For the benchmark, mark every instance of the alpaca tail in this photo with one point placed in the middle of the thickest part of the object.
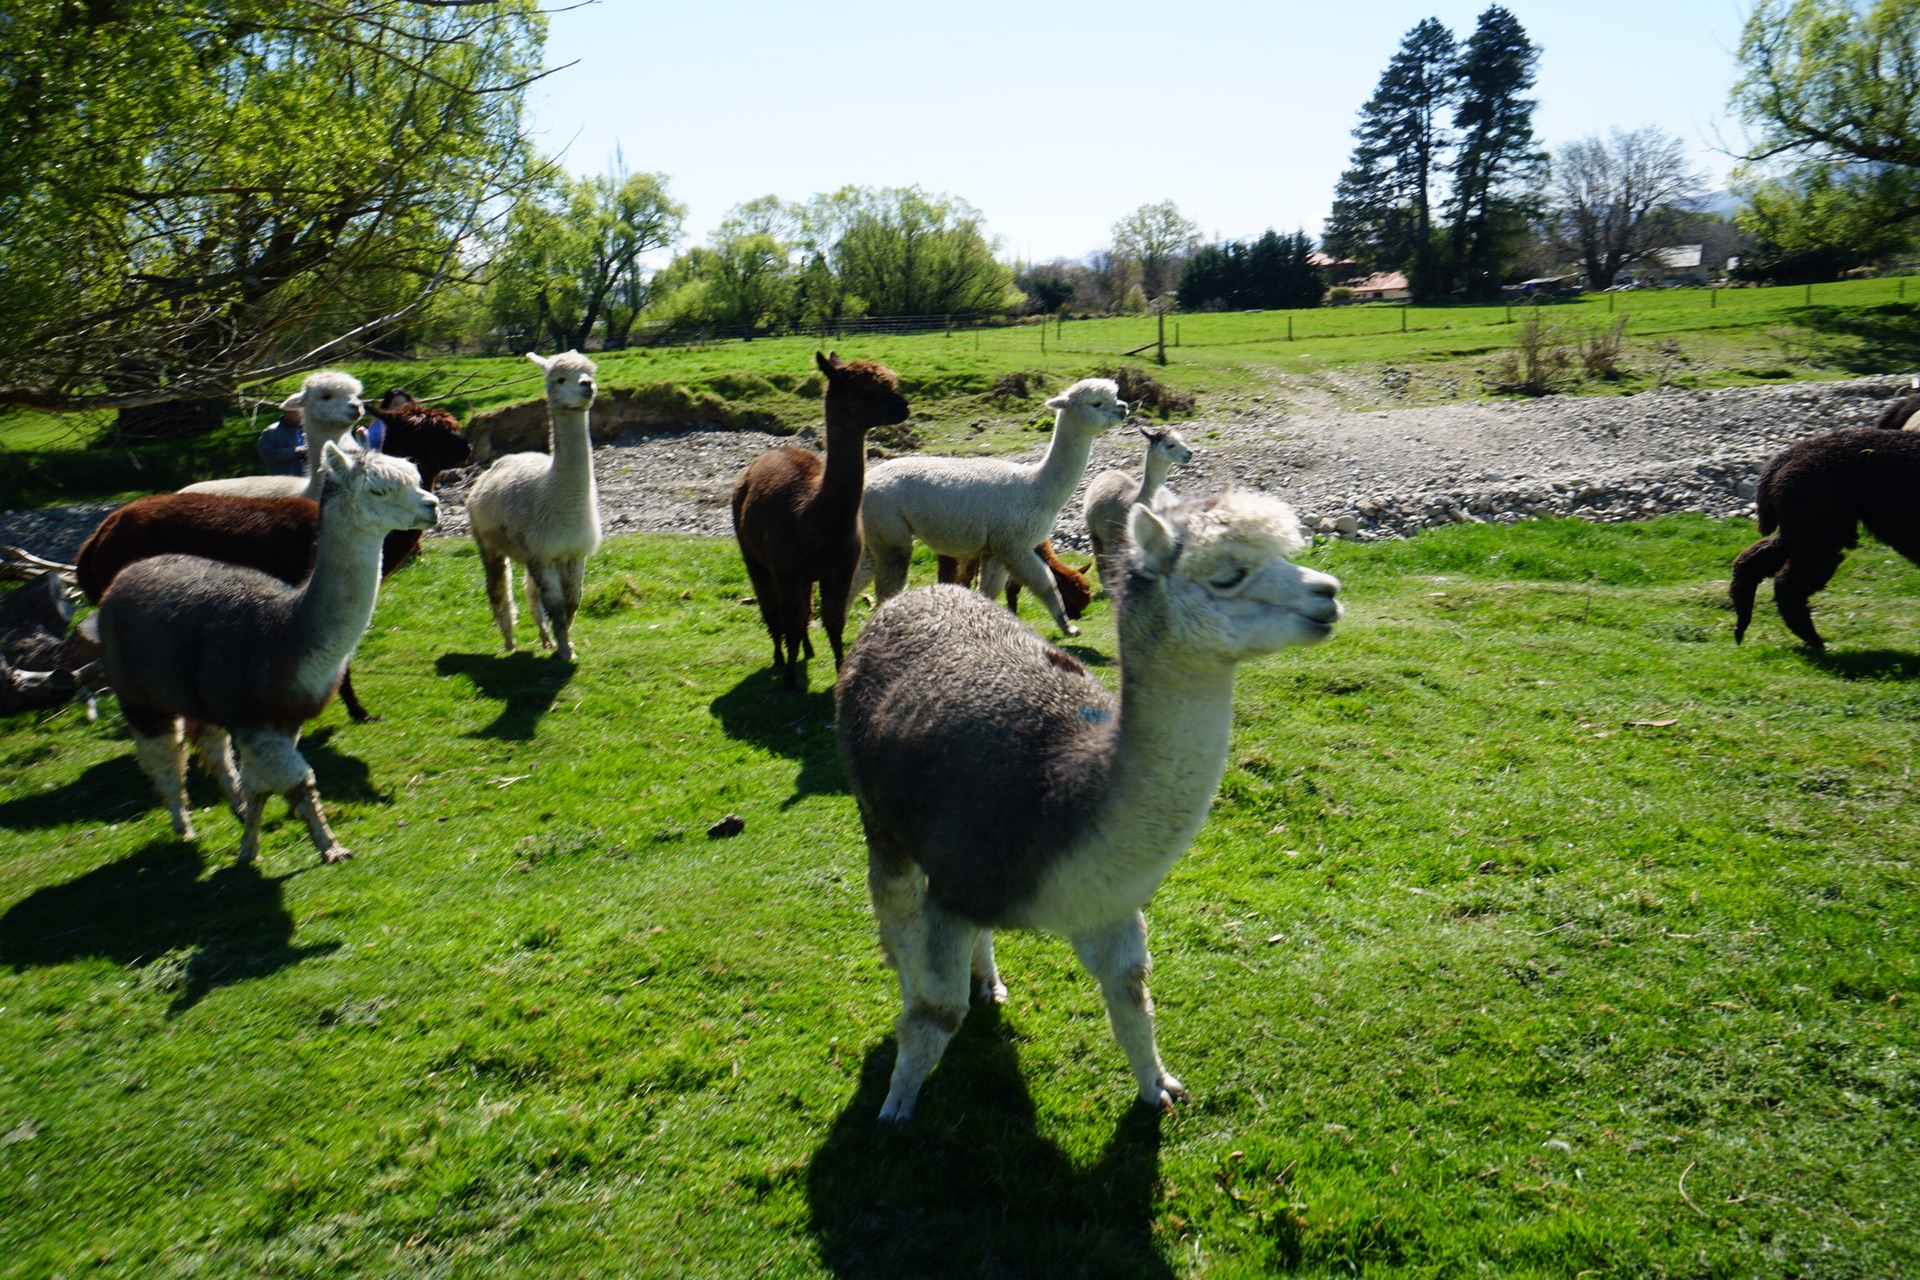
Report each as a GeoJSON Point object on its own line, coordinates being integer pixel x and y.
{"type": "Point", "coordinates": [1761, 560]}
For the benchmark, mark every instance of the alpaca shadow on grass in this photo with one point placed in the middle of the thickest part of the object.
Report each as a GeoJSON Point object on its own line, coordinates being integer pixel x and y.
{"type": "Point", "coordinates": [1869, 664]}
{"type": "Point", "coordinates": [339, 776]}
{"type": "Point", "coordinates": [526, 683]}
{"type": "Point", "coordinates": [110, 791]}
{"type": "Point", "coordinates": [153, 910]}
{"type": "Point", "coordinates": [788, 723]}
{"type": "Point", "coordinates": [969, 1187]}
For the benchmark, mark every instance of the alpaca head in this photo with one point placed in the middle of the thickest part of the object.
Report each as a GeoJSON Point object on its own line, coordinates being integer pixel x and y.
{"type": "Point", "coordinates": [328, 403]}
{"type": "Point", "coordinates": [1214, 579]}
{"type": "Point", "coordinates": [429, 436]}
{"type": "Point", "coordinates": [1165, 446]}
{"type": "Point", "coordinates": [861, 393]}
{"type": "Point", "coordinates": [374, 491]}
{"type": "Point", "coordinates": [1089, 406]}
{"type": "Point", "coordinates": [569, 379]}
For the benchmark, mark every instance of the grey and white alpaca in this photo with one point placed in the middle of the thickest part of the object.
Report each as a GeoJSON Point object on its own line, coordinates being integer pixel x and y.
{"type": "Point", "coordinates": [1001, 786]}
{"type": "Point", "coordinates": [544, 511]}
{"type": "Point", "coordinates": [1112, 494]}
{"type": "Point", "coordinates": [987, 509]}
{"type": "Point", "coordinates": [329, 403]}
{"type": "Point", "coordinates": [203, 650]}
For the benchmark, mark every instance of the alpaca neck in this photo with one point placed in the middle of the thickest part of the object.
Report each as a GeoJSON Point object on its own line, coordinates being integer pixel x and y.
{"type": "Point", "coordinates": [845, 471]}
{"type": "Point", "coordinates": [1066, 461]}
{"type": "Point", "coordinates": [1175, 726]}
{"type": "Point", "coordinates": [572, 447]}
{"type": "Point", "coordinates": [1158, 464]}
{"type": "Point", "coordinates": [337, 602]}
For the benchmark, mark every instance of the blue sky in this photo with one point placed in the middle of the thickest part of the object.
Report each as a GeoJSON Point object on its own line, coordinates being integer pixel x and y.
{"type": "Point", "coordinates": [1057, 118]}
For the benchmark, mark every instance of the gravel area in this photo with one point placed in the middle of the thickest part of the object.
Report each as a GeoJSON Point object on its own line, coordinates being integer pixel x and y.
{"type": "Point", "coordinates": [1361, 475]}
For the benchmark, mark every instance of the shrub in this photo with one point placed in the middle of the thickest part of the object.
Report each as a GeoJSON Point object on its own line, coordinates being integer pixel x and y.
{"type": "Point", "coordinates": [1142, 391]}
{"type": "Point", "coordinates": [1537, 363]}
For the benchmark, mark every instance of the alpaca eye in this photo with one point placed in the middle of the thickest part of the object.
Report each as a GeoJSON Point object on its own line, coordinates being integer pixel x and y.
{"type": "Point", "coordinates": [1230, 579]}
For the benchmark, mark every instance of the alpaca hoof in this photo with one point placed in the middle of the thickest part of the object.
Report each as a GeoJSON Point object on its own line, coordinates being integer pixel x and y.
{"type": "Point", "coordinates": [183, 829]}
{"type": "Point", "coordinates": [362, 717]}
{"type": "Point", "coordinates": [1070, 630]}
{"type": "Point", "coordinates": [1164, 1093]}
{"type": "Point", "coordinates": [335, 853]}
{"type": "Point", "coordinates": [990, 990]}
{"type": "Point", "coordinates": [896, 1112]}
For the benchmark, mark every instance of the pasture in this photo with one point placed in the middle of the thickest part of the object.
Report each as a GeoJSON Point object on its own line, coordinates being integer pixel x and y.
{"type": "Point", "coordinates": [1537, 930]}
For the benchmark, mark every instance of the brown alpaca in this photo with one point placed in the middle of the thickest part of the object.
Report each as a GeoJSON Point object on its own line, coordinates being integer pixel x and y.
{"type": "Point", "coordinates": [797, 516]}
{"type": "Point", "coordinates": [1075, 593]}
{"type": "Point", "coordinates": [1811, 501]}
{"type": "Point", "coordinates": [274, 535]}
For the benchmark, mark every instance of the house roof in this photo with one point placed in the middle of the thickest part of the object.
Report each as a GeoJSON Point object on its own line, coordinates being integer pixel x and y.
{"type": "Point", "coordinates": [1680, 256]}
{"type": "Point", "coordinates": [1380, 282]}
{"type": "Point", "coordinates": [1322, 261]}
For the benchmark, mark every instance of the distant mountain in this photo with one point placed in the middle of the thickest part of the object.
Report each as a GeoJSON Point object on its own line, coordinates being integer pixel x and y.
{"type": "Point", "coordinates": [1721, 204]}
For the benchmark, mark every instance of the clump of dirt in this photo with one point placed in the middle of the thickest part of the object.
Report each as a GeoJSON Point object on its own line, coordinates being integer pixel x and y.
{"type": "Point", "coordinates": [1143, 391]}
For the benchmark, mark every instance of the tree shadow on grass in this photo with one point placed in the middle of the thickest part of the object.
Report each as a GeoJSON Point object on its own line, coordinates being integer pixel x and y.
{"type": "Point", "coordinates": [527, 684]}
{"type": "Point", "coordinates": [1869, 664]}
{"type": "Point", "coordinates": [969, 1187]}
{"type": "Point", "coordinates": [788, 723]}
{"type": "Point", "coordinates": [1886, 338]}
{"type": "Point", "coordinates": [152, 910]}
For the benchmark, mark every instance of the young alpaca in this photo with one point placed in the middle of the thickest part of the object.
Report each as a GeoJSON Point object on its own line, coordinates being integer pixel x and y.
{"type": "Point", "coordinates": [209, 651]}
{"type": "Point", "coordinates": [1112, 494]}
{"type": "Point", "coordinates": [985, 508]}
{"type": "Point", "coordinates": [1075, 594]}
{"type": "Point", "coordinates": [543, 510]}
{"type": "Point", "coordinates": [797, 516]}
{"type": "Point", "coordinates": [329, 404]}
{"type": "Point", "coordinates": [1811, 500]}
{"type": "Point", "coordinates": [1001, 786]}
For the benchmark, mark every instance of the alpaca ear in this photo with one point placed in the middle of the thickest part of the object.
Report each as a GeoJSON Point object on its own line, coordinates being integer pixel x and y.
{"type": "Point", "coordinates": [828, 362]}
{"type": "Point", "coordinates": [1059, 402]}
{"type": "Point", "coordinates": [294, 401]}
{"type": "Point", "coordinates": [1154, 540]}
{"type": "Point", "coordinates": [542, 361]}
{"type": "Point", "coordinates": [334, 461]}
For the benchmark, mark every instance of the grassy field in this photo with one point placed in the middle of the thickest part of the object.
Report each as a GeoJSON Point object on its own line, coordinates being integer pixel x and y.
{"type": "Point", "coordinates": [1538, 931]}
{"type": "Point", "coordinates": [1358, 357]}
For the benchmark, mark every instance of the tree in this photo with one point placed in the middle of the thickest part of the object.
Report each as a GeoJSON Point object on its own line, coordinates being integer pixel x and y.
{"type": "Point", "coordinates": [205, 194]}
{"type": "Point", "coordinates": [1498, 163]}
{"type": "Point", "coordinates": [1156, 239]}
{"type": "Point", "coordinates": [908, 253]}
{"type": "Point", "coordinates": [1274, 272]}
{"type": "Point", "coordinates": [1383, 206]}
{"type": "Point", "coordinates": [1615, 200]}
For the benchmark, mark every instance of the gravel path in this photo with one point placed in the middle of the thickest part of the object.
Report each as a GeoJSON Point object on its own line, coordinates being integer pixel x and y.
{"type": "Point", "coordinates": [1362, 475]}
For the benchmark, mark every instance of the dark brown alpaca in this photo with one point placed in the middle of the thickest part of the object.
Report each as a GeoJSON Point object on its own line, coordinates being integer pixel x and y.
{"type": "Point", "coordinates": [797, 516]}
{"type": "Point", "coordinates": [1075, 593]}
{"type": "Point", "coordinates": [1811, 500]}
{"type": "Point", "coordinates": [274, 535]}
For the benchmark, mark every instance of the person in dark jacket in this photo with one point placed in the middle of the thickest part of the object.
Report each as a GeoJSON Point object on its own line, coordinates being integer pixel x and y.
{"type": "Point", "coordinates": [283, 446]}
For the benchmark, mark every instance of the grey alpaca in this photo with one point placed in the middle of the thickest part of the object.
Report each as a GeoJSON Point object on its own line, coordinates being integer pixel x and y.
{"type": "Point", "coordinates": [1001, 786]}
{"type": "Point", "coordinates": [203, 651]}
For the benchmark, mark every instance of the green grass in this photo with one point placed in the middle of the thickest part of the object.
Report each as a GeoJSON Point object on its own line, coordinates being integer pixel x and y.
{"type": "Point", "coordinates": [1685, 338]}
{"type": "Point", "coordinates": [1468, 972]}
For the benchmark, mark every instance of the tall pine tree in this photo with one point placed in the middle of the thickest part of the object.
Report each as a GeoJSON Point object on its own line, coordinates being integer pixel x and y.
{"type": "Point", "coordinates": [1383, 207]}
{"type": "Point", "coordinates": [1498, 165]}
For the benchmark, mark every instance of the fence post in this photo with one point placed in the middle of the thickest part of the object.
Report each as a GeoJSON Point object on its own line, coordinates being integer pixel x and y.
{"type": "Point", "coordinates": [1809, 301]}
{"type": "Point", "coordinates": [1043, 337]}
{"type": "Point", "coordinates": [1176, 333]}
{"type": "Point", "coordinates": [1163, 338]}
{"type": "Point", "coordinates": [1403, 319]}
{"type": "Point", "coordinates": [1609, 304]}
{"type": "Point", "coordinates": [1713, 299]}
{"type": "Point", "coordinates": [1289, 328]}
{"type": "Point", "coordinates": [949, 326]}
{"type": "Point", "coordinates": [1509, 313]}
{"type": "Point", "coordinates": [1903, 287]}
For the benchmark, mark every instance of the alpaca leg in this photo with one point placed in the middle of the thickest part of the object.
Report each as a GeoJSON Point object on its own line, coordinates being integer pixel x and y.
{"type": "Point", "coordinates": [537, 602]}
{"type": "Point", "coordinates": [933, 997]}
{"type": "Point", "coordinates": [835, 595]}
{"type": "Point", "coordinates": [351, 701]}
{"type": "Point", "coordinates": [216, 757]}
{"type": "Point", "coordinates": [499, 572]}
{"type": "Point", "coordinates": [993, 577]}
{"type": "Point", "coordinates": [796, 613]}
{"type": "Point", "coordinates": [897, 890]}
{"type": "Point", "coordinates": [862, 574]}
{"type": "Point", "coordinates": [1032, 573]}
{"type": "Point", "coordinates": [986, 974]}
{"type": "Point", "coordinates": [1805, 573]}
{"type": "Point", "coordinates": [573, 577]}
{"type": "Point", "coordinates": [1117, 956]}
{"type": "Point", "coordinates": [890, 565]}
{"type": "Point", "coordinates": [767, 596]}
{"type": "Point", "coordinates": [271, 764]}
{"type": "Point", "coordinates": [1761, 560]}
{"type": "Point", "coordinates": [163, 758]}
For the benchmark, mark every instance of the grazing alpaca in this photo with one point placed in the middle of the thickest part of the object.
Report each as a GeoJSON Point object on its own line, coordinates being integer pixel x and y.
{"type": "Point", "coordinates": [1811, 500]}
{"type": "Point", "coordinates": [1001, 786]}
{"type": "Point", "coordinates": [329, 404]}
{"type": "Point", "coordinates": [274, 535]}
{"type": "Point", "coordinates": [1075, 594]}
{"type": "Point", "coordinates": [797, 516]}
{"type": "Point", "coordinates": [984, 508]}
{"type": "Point", "coordinates": [543, 510]}
{"type": "Point", "coordinates": [216, 652]}
{"type": "Point", "coordinates": [1112, 494]}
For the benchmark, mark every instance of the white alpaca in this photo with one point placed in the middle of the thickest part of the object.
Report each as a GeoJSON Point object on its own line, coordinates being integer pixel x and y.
{"type": "Point", "coordinates": [985, 508]}
{"type": "Point", "coordinates": [1001, 786]}
{"type": "Point", "coordinates": [1112, 494]}
{"type": "Point", "coordinates": [329, 404]}
{"type": "Point", "coordinates": [544, 511]}
{"type": "Point", "coordinates": [219, 650]}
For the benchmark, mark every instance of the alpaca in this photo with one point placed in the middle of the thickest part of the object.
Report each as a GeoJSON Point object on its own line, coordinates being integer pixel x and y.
{"type": "Point", "coordinates": [1001, 786]}
{"type": "Point", "coordinates": [1111, 495]}
{"type": "Point", "coordinates": [329, 404]}
{"type": "Point", "coordinates": [986, 508]}
{"type": "Point", "coordinates": [1075, 594]}
{"type": "Point", "coordinates": [217, 653]}
{"type": "Point", "coordinates": [543, 510]}
{"type": "Point", "coordinates": [1898, 416]}
{"type": "Point", "coordinates": [797, 516]}
{"type": "Point", "coordinates": [274, 535]}
{"type": "Point", "coordinates": [1811, 500]}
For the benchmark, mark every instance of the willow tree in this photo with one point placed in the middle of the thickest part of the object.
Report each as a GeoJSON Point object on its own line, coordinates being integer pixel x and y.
{"type": "Point", "coordinates": [202, 194]}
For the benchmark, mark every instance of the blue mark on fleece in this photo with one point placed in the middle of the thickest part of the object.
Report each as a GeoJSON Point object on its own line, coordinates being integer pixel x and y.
{"type": "Point", "coordinates": [1095, 715]}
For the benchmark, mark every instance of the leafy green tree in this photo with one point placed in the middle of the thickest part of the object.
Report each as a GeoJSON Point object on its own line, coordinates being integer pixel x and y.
{"type": "Point", "coordinates": [1383, 207]}
{"type": "Point", "coordinates": [1498, 164]}
{"type": "Point", "coordinates": [1155, 238]}
{"type": "Point", "coordinates": [907, 253]}
{"type": "Point", "coordinates": [201, 194]}
{"type": "Point", "coordinates": [1275, 272]}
